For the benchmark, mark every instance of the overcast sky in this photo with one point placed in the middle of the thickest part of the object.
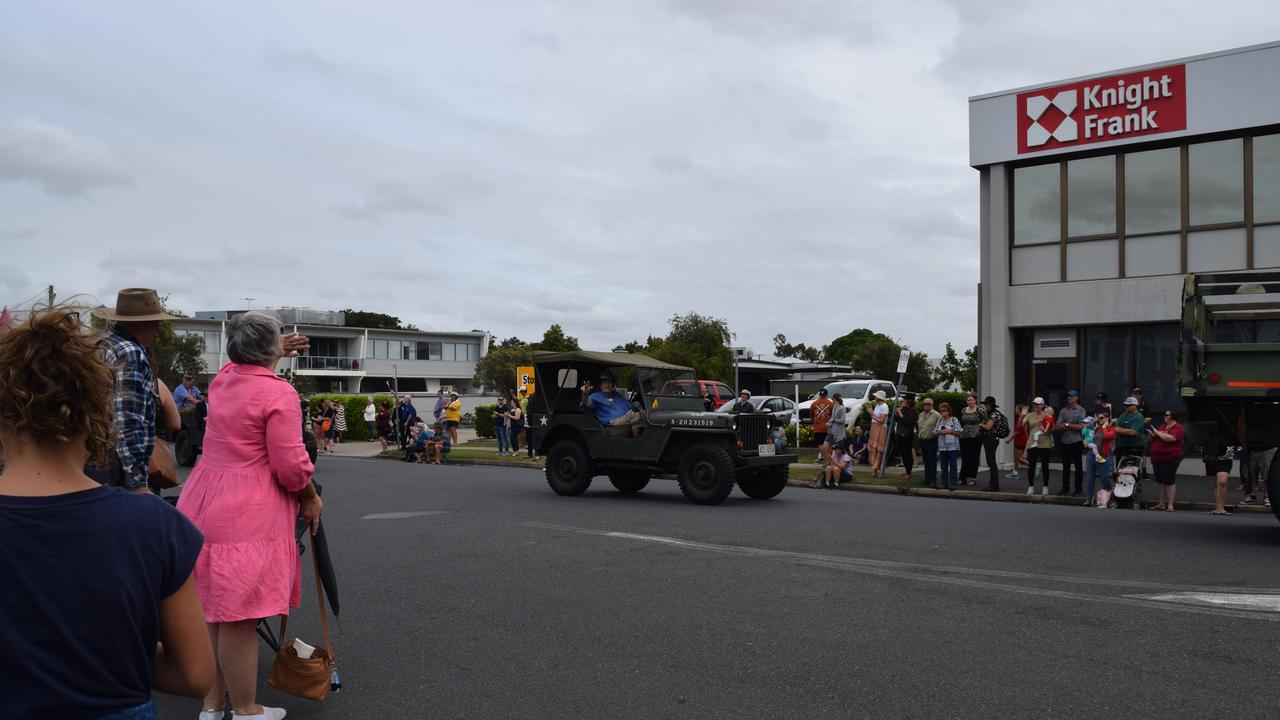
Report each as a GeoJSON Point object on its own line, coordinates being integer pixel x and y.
{"type": "Point", "coordinates": [792, 166]}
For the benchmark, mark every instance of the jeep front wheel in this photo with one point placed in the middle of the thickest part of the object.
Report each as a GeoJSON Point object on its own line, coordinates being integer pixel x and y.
{"type": "Point", "coordinates": [568, 469]}
{"type": "Point", "coordinates": [706, 474]}
{"type": "Point", "coordinates": [629, 481]}
{"type": "Point", "coordinates": [764, 483]}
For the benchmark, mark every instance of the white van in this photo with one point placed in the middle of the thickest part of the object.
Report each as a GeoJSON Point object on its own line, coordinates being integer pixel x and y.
{"type": "Point", "coordinates": [854, 393]}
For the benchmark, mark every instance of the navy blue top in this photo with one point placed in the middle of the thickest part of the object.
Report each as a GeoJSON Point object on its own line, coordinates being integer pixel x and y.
{"type": "Point", "coordinates": [83, 575]}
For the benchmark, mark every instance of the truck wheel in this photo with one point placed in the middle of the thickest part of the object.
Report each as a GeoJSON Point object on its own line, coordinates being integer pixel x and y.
{"type": "Point", "coordinates": [629, 481]}
{"type": "Point", "coordinates": [183, 451]}
{"type": "Point", "coordinates": [1273, 484]}
{"type": "Point", "coordinates": [764, 483]}
{"type": "Point", "coordinates": [706, 474]}
{"type": "Point", "coordinates": [568, 468]}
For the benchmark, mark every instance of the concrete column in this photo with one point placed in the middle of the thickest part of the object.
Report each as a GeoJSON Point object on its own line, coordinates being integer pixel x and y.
{"type": "Point", "coordinates": [995, 341]}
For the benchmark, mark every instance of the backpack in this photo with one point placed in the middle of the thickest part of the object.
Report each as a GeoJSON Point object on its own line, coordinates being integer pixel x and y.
{"type": "Point", "coordinates": [1002, 425]}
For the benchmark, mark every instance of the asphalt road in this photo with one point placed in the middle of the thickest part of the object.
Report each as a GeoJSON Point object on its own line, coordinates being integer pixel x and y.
{"type": "Point", "coordinates": [472, 592]}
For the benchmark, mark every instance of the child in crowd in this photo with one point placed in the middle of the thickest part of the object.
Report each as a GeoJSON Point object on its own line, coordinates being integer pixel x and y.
{"type": "Point", "coordinates": [858, 445]}
{"type": "Point", "coordinates": [779, 436]}
{"type": "Point", "coordinates": [1019, 440]}
{"type": "Point", "coordinates": [1090, 435]}
{"type": "Point", "coordinates": [1046, 425]}
{"type": "Point", "coordinates": [838, 467]}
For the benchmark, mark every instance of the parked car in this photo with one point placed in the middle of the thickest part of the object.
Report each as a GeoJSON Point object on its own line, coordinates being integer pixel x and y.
{"type": "Point", "coordinates": [779, 407]}
{"type": "Point", "coordinates": [854, 393]}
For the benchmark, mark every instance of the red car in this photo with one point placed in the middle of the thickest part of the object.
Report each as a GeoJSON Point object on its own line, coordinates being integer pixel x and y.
{"type": "Point", "coordinates": [718, 391]}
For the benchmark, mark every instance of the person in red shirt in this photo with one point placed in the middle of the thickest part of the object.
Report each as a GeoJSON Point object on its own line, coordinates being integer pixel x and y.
{"type": "Point", "coordinates": [1019, 440]}
{"type": "Point", "coordinates": [1166, 455]}
{"type": "Point", "coordinates": [820, 411]}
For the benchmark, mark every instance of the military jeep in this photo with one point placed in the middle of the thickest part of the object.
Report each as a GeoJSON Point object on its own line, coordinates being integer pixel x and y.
{"type": "Point", "coordinates": [707, 452]}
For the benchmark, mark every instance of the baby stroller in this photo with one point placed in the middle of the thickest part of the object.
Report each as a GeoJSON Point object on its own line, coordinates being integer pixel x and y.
{"type": "Point", "coordinates": [1126, 481]}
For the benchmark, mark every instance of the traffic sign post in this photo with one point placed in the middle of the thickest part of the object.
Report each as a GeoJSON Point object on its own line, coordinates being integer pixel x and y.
{"type": "Point", "coordinates": [903, 358]}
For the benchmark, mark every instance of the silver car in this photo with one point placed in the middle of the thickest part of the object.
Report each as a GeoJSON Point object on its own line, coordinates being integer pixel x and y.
{"type": "Point", "coordinates": [781, 408]}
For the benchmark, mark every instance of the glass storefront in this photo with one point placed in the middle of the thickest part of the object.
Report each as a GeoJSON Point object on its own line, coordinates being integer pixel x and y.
{"type": "Point", "coordinates": [1125, 214]}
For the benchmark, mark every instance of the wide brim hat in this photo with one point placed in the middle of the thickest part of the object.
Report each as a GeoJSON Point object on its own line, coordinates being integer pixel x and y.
{"type": "Point", "coordinates": [879, 395]}
{"type": "Point", "coordinates": [135, 305]}
{"type": "Point", "coordinates": [988, 400]}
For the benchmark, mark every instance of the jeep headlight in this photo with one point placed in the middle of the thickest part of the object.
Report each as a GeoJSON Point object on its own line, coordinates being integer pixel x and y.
{"type": "Point", "coordinates": [733, 424]}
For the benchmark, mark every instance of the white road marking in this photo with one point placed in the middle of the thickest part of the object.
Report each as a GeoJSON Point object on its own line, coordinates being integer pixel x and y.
{"type": "Point", "coordinates": [1258, 602]}
{"type": "Point", "coordinates": [950, 575]}
{"type": "Point", "coordinates": [401, 515]}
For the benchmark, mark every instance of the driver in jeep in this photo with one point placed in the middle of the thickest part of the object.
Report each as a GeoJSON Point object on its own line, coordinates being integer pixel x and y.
{"type": "Point", "coordinates": [610, 406]}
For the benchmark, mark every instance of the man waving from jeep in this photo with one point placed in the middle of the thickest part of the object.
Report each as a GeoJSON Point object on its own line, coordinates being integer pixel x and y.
{"type": "Point", "coordinates": [610, 406]}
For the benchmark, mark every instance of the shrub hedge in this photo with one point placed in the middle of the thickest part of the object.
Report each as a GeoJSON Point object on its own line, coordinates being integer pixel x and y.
{"type": "Point", "coordinates": [354, 406]}
{"type": "Point", "coordinates": [484, 420]}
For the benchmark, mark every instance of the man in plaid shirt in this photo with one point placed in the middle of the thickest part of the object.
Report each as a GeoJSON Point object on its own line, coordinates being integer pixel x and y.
{"type": "Point", "coordinates": [136, 318]}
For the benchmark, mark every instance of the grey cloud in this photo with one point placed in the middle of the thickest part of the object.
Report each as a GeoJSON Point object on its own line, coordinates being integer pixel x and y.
{"type": "Point", "coordinates": [849, 22]}
{"type": "Point", "coordinates": [24, 233]}
{"type": "Point", "coordinates": [416, 193]}
{"type": "Point", "coordinates": [58, 160]}
{"type": "Point", "coordinates": [300, 60]}
{"type": "Point", "coordinates": [13, 280]}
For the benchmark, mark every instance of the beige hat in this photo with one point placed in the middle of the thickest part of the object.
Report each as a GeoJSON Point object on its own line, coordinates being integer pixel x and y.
{"type": "Point", "coordinates": [1038, 401]}
{"type": "Point", "coordinates": [135, 305]}
{"type": "Point", "coordinates": [879, 395]}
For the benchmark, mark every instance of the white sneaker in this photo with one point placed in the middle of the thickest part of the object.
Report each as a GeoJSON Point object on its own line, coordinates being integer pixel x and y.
{"type": "Point", "coordinates": [1031, 491]}
{"type": "Point", "coordinates": [212, 714]}
{"type": "Point", "coordinates": [1044, 490]}
{"type": "Point", "coordinates": [268, 713]}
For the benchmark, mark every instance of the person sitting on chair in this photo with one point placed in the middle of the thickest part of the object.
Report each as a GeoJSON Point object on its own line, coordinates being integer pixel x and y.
{"type": "Point", "coordinates": [609, 405]}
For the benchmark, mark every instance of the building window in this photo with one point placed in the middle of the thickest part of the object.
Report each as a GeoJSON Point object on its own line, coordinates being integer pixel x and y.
{"type": "Point", "coordinates": [1152, 192]}
{"type": "Point", "coordinates": [1266, 178]}
{"type": "Point", "coordinates": [1215, 177]}
{"type": "Point", "coordinates": [408, 351]}
{"type": "Point", "coordinates": [1091, 197]}
{"type": "Point", "coordinates": [1036, 264]}
{"type": "Point", "coordinates": [434, 351]}
{"type": "Point", "coordinates": [327, 347]}
{"type": "Point", "coordinates": [1106, 355]}
{"type": "Point", "coordinates": [1036, 205]}
{"type": "Point", "coordinates": [1156, 366]}
{"type": "Point", "coordinates": [1210, 250]}
{"type": "Point", "coordinates": [1093, 260]}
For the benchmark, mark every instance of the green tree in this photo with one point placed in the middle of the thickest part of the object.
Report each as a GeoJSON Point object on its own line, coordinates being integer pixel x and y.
{"type": "Point", "coordinates": [176, 355]}
{"type": "Point", "coordinates": [800, 351]}
{"type": "Point", "coordinates": [843, 349]}
{"type": "Point", "coordinates": [969, 370]}
{"type": "Point", "coordinates": [378, 321]}
{"type": "Point", "coordinates": [700, 342]}
{"type": "Point", "coordinates": [497, 370]}
{"type": "Point", "coordinates": [554, 340]}
{"type": "Point", "coordinates": [878, 356]}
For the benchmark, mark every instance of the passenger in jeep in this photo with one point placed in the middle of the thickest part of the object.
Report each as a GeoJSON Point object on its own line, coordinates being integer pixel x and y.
{"type": "Point", "coordinates": [610, 406]}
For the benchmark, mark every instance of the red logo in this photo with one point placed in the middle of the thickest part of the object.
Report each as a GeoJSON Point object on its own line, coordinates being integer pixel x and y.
{"type": "Point", "coordinates": [1110, 108]}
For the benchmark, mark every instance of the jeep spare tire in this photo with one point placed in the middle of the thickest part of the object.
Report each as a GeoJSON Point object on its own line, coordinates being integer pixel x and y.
{"type": "Point", "coordinates": [568, 468]}
{"type": "Point", "coordinates": [764, 483]}
{"type": "Point", "coordinates": [629, 481]}
{"type": "Point", "coordinates": [706, 474]}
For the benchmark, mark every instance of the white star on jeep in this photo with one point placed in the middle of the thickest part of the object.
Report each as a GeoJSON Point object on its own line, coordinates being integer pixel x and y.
{"type": "Point", "coordinates": [543, 421]}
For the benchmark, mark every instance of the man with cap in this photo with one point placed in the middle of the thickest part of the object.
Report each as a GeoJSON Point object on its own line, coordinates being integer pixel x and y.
{"type": "Point", "coordinates": [135, 321]}
{"type": "Point", "coordinates": [1131, 438]}
{"type": "Point", "coordinates": [1071, 444]}
{"type": "Point", "coordinates": [743, 405]}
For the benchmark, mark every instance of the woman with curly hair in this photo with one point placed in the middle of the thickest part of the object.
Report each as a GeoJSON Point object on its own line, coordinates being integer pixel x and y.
{"type": "Point", "coordinates": [99, 606]}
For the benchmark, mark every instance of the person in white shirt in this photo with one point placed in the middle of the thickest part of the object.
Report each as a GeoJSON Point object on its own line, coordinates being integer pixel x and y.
{"type": "Point", "coordinates": [370, 419]}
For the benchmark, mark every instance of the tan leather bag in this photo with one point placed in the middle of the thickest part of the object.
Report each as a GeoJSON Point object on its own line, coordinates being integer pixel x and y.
{"type": "Point", "coordinates": [163, 471]}
{"type": "Point", "coordinates": [304, 677]}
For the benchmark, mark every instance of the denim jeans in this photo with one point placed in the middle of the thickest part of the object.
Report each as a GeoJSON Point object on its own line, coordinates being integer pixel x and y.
{"type": "Point", "coordinates": [949, 478]}
{"type": "Point", "coordinates": [504, 442]}
{"type": "Point", "coordinates": [929, 457]}
{"type": "Point", "coordinates": [1100, 471]}
{"type": "Point", "coordinates": [145, 711]}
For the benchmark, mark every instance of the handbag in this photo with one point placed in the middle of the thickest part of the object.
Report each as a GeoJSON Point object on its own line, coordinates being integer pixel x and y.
{"type": "Point", "coordinates": [311, 677]}
{"type": "Point", "coordinates": [325, 425]}
{"type": "Point", "coordinates": [163, 470]}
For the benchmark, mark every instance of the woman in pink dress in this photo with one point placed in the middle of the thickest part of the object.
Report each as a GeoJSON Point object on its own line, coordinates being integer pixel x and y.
{"type": "Point", "coordinates": [252, 482]}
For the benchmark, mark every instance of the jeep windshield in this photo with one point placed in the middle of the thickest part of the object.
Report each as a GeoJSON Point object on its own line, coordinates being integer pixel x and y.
{"type": "Point", "coordinates": [668, 383]}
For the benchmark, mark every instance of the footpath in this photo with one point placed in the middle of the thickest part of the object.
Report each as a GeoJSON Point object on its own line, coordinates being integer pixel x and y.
{"type": "Point", "coordinates": [1194, 492]}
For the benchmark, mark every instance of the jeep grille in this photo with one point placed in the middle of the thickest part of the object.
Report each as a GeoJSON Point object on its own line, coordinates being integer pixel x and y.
{"type": "Point", "coordinates": [753, 431]}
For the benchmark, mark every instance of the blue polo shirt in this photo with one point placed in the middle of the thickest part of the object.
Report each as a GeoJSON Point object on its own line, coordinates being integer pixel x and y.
{"type": "Point", "coordinates": [181, 394]}
{"type": "Point", "coordinates": [607, 406]}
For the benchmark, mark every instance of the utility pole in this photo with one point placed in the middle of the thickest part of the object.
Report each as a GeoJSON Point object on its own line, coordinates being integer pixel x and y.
{"type": "Point", "coordinates": [249, 301]}
{"type": "Point", "coordinates": [51, 296]}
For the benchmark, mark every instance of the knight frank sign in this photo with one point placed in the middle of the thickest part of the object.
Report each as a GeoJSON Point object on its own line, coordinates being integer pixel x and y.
{"type": "Point", "coordinates": [1117, 107]}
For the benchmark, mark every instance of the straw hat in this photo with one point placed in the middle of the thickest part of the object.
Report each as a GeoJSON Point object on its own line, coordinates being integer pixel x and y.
{"type": "Point", "coordinates": [135, 305]}
{"type": "Point", "coordinates": [879, 395]}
